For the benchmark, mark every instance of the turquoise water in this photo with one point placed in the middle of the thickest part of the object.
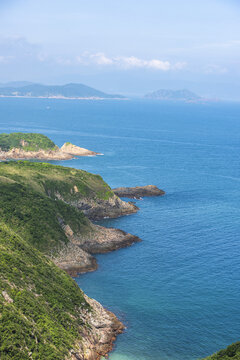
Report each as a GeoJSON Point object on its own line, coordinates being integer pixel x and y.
{"type": "Point", "coordinates": [178, 292]}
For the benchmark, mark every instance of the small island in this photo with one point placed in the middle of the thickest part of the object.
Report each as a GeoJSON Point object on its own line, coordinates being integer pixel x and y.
{"type": "Point", "coordinates": [18, 146]}
{"type": "Point", "coordinates": [183, 95]}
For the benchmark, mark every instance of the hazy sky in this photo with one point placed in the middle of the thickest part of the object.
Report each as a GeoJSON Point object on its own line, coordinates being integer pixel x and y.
{"type": "Point", "coordinates": [125, 46]}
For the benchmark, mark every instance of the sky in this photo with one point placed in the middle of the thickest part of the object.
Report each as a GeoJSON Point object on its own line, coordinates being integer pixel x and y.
{"type": "Point", "coordinates": [129, 47]}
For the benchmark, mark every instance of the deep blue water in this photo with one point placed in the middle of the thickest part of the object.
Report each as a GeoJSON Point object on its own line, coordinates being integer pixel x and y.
{"type": "Point", "coordinates": [178, 292]}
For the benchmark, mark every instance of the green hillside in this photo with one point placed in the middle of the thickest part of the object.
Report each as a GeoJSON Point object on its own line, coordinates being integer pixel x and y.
{"type": "Point", "coordinates": [40, 305]}
{"type": "Point", "coordinates": [28, 202]}
{"type": "Point", "coordinates": [50, 180]}
{"type": "Point", "coordinates": [26, 141]}
{"type": "Point", "coordinates": [232, 352]}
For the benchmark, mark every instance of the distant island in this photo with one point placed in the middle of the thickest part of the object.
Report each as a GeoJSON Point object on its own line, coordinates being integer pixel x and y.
{"type": "Point", "coordinates": [174, 95]}
{"type": "Point", "coordinates": [68, 91]}
{"type": "Point", "coordinates": [37, 146]}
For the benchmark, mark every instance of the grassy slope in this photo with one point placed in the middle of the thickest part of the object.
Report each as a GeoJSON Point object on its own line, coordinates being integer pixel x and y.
{"type": "Point", "coordinates": [231, 352]}
{"type": "Point", "coordinates": [41, 319]}
{"type": "Point", "coordinates": [28, 204]}
{"type": "Point", "coordinates": [33, 142]}
{"type": "Point", "coordinates": [49, 179]}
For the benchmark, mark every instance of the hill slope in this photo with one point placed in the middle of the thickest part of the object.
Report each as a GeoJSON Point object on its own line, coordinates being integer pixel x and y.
{"type": "Point", "coordinates": [43, 313]}
{"type": "Point", "coordinates": [46, 203]}
{"type": "Point", "coordinates": [65, 91]}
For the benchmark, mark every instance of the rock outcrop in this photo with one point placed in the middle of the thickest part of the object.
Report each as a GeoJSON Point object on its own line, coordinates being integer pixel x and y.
{"type": "Point", "coordinates": [71, 149]}
{"type": "Point", "coordinates": [66, 152]}
{"type": "Point", "coordinates": [138, 191]}
{"type": "Point", "coordinates": [20, 154]}
{"type": "Point", "coordinates": [98, 340]}
{"type": "Point", "coordinates": [98, 209]}
{"type": "Point", "coordinates": [75, 257]}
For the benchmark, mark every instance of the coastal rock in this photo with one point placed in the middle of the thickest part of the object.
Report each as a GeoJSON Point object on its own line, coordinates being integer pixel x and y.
{"type": "Point", "coordinates": [20, 154]}
{"type": "Point", "coordinates": [71, 149]}
{"type": "Point", "coordinates": [74, 260]}
{"type": "Point", "coordinates": [138, 191]}
{"type": "Point", "coordinates": [75, 256]}
{"type": "Point", "coordinates": [97, 209]}
{"type": "Point", "coordinates": [103, 240]}
{"type": "Point", "coordinates": [97, 341]}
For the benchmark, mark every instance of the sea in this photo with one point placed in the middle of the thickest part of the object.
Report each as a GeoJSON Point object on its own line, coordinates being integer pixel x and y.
{"type": "Point", "coordinates": [178, 291]}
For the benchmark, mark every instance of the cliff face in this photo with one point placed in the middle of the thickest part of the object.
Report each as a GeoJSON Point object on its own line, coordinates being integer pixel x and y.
{"type": "Point", "coordinates": [99, 341]}
{"type": "Point", "coordinates": [97, 209]}
{"type": "Point", "coordinates": [75, 256]}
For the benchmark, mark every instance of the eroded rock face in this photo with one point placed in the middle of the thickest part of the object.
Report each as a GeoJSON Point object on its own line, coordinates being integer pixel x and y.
{"type": "Point", "coordinates": [97, 341]}
{"type": "Point", "coordinates": [21, 154]}
{"type": "Point", "coordinates": [138, 191]}
{"type": "Point", "coordinates": [69, 148]}
{"type": "Point", "coordinates": [74, 260]}
{"type": "Point", "coordinates": [98, 209]}
{"type": "Point", "coordinates": [75, 257]}
{"type": "Point", "coordinates": [66, 152]}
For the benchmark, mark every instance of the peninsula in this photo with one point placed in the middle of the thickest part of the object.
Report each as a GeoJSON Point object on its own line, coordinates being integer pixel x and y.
{"type": "Point", "coordinates": [67, 91]}
{"type": "Point", "coordinates": [45, 228]}
{"type": "Point", "coordinates": [37, 146]}
{"type": "Point", "coordinates": [46, 234]}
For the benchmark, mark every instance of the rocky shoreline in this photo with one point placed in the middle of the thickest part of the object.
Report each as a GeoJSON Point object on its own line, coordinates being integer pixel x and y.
{"type": "Point", "coordinates": [138, 192]}
{"type": "Point", "coordinates": [75, 257]}
{"type": "Point", "coordinates": [66, 152]}
{"type": "Point", "coordinates": [99, 341]}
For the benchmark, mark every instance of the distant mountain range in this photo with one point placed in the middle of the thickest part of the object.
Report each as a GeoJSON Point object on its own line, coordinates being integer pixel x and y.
{"type": "Point", "coordinates": [71, 91]}
{"type": "Point", "coordinates": [174, 95]}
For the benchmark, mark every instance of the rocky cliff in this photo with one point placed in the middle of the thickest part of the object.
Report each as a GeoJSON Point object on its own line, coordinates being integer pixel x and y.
{"type": "Point", "coordinates": [138, 192]}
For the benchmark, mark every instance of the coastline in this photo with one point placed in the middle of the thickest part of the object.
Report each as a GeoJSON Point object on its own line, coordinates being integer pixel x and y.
{"type": "Point", "coordinates": [95, 98]}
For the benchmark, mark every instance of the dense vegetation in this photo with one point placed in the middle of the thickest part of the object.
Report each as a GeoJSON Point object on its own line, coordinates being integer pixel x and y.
{"type": "Point", "coordinates": [52, 179]}
{"type": "Point", "coordinates": [36, 217]}
{"type": "Point", "coordinates": [232, 352]}
{"type": "Point", "coordinates": [29, 204]}
{"type": "Point", "coordinates": [26, 141]}
{"type": "Point", "coordinates": [41, 307]}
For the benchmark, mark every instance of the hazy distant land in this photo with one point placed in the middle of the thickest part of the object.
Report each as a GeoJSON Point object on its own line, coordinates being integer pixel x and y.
{"type": "Point", "coordinates": [68, 91]}
{"type": "Point", "coordinates": [174, 95]}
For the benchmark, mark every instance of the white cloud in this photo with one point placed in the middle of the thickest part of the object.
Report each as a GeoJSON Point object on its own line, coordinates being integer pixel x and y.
{"type": "Point", "coordinates": [127, 62]}
{"type": "Point", "coordinates": [101, 59]}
